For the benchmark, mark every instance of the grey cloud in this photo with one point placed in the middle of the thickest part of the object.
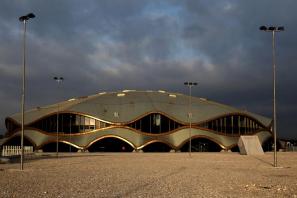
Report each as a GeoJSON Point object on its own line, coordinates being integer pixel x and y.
{"type": "Point", "coordinates": [113, 45]}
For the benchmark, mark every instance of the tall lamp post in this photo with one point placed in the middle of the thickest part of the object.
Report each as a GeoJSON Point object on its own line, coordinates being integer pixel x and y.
{"type": "Point", "coordinates": [273, 29]}
{"type": "Point", "coordinates": [59, 80]}
{"type": "Point", "coordinates": [24, 20]}
{"type": "Point", "coordinates": [190, 85]}
{"type": "Point", "coordinates": [70, 132]}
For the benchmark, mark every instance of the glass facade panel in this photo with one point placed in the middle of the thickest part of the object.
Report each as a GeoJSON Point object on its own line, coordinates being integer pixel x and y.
{"type": "Point", "coordinates": [233, 124]}
{"type": "Point", "coordinates": [77, 120]}
{"type": "Point", "coordinates": [87, 121]}
{"type": "Point", "coordinates": [81, 128]}
{"type": "Point", "coordinates": [69, 123]}
{"type": "Point", "coordinates": [155, 123]}
{"type": "Point", "coordinates": [97, 124]}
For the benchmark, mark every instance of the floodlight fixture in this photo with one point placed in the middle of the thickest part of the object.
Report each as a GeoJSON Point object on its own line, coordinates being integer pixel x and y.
{"type": "Point", "coordinates": [24, 19]}
{"type": "Point", "coordinates": [273, 29]}
{"type": "Point", "coordinates": [58, 80]}
{"type": "Point", "coordinates": [190, 85]}
{"type": "Point", "coordinates": [27, 17]}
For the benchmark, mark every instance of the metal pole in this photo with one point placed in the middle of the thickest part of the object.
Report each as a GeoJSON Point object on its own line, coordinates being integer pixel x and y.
{"type": "Point", "coordinates": [190, 84]}
{"type": "Point", "coordinates": [190, 120]}
{"type": "Point", "coordinates": [274, 98]}
{"type": "Point", "coordinates": [70, 134]}
{"type": "Point", "coordinates": [24, 19]}
{"type": "Point", "coordinates": [58, 80]}
{"type": "Point", "coordinates": [23, 96]}
{"type": "Point", "coordinates": [273, 29]}
{"type": "Point", "coordinates": [57, 145]}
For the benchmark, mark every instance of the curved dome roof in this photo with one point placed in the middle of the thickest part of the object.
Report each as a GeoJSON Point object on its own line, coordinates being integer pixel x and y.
{"type": "Point", "coordinates": [129, 105]}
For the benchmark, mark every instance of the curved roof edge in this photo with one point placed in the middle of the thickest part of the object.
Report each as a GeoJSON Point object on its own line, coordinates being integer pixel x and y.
{"type": "Point", "coordinates": [173, 104]}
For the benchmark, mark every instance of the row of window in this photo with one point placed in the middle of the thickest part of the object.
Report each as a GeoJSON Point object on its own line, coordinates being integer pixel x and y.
{"type": "Point", "coordinates": [69, 123]}
{"type": "Point", "coordinates": [154, 123]}
{"type": "Point", "coordinates": [233, 124]}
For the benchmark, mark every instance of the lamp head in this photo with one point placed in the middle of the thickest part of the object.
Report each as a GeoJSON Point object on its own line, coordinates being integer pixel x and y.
{"type": "Point", "coordinates": [190, 83]}
{"type": "Point", "coordinates": [281, 28]}
{"type": "Point", "coordinates": [272, 28]}
{"type": "Point", "coordinates": [263, 28]}
{"type": "Point", "coordinates": [58, 79]}
{"type": "Point", "coordinates": [27, 17]}
{"type": "Point", "coordinates": [31, 15]}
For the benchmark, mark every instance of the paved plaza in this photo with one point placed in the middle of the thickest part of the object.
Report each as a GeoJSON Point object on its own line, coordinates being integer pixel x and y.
{"type": "Point", "coordinates": [151, 175]}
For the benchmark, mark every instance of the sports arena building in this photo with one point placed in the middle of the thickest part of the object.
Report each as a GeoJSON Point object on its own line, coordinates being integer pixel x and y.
{"type": "Point", "coordinates": [132, 120]}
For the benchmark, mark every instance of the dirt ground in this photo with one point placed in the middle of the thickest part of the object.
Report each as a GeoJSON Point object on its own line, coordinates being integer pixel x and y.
{"type": "Point", "coordinates": [151, 175]}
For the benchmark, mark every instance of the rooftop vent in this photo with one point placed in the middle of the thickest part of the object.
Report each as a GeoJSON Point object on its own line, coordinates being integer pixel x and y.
{"type": "Point", "coordinates": [116, 114]}
{"type": "Point", "coordinates": [127, 90]}
{"type": "Point", "coordinates": [121, 94]}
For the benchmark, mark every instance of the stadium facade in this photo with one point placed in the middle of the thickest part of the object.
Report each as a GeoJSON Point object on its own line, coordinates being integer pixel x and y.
{"type": "Point", "coordinates": [132, 120]}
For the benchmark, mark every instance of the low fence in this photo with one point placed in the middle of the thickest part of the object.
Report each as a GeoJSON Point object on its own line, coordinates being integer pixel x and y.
{"type": "Point", "coordinates": [292, 148]}
{"type": "Point", "coordinates": [16, 150]}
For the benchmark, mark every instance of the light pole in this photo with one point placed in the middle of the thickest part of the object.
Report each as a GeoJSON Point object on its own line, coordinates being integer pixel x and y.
{"type": "Point", "coordinates": [190, 85]}
{"type": "Point", "coordinates": [24, 20]}
{"type": "Point", "coordinates": [70, 132]}
{"type": "Point", "coordinates": [273, 29]}
{"type": "Point", "coordinates": [59, 80]}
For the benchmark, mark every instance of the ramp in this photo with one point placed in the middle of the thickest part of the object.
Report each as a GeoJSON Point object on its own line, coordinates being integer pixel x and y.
{"type": "Point", "coordinates": [250, 145]}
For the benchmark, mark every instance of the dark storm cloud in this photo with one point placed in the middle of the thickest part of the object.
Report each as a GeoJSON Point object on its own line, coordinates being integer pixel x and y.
{"type": "Point", "coordinates": [242, 54]}
{"type": "Point", "coordinates": [114, 45]}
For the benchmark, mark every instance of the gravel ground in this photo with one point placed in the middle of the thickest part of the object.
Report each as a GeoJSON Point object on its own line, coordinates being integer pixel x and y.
{"type": "Point", "coordinates": [151, 175]}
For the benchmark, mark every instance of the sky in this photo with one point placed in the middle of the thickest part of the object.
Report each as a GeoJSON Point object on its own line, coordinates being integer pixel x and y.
{"type": "Point", "coordinates": [112, 45]}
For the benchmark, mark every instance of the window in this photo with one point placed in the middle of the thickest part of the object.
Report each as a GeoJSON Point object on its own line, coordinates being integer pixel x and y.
{"type": "Point", "coordinates": [233, 124]}
{"type": "Point", "coordinates": [97, 124]}
{"type": "Point", "coordinates": [68, 123]}
{"type": "Point", "coordinates": [155, 123]}
{"type": "Point", "coordinates": [157, 119]}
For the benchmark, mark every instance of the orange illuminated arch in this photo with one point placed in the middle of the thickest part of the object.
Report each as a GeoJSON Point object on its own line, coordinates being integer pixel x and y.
{"type": "Point", "coordinates": [156, 141]}
{"type": "Point", "coordinates": [110, 136]}
{"type": "Point", "coordinates": [205, 137]}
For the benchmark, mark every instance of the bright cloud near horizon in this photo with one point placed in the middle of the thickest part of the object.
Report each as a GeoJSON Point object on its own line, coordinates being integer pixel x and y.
{"type": "Point", "coordinates": [112, 45]}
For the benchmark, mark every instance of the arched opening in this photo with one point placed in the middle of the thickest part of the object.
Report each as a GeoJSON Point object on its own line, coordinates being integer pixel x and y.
{"type": "Point", "coordinates": [201, 145]}
{"type": "Point", "coordinates": [11, 125]}
{"type": "Point", "coordinates": [156, 147]}
{"type": "Point", "coordinates": [267, 145]}
{"type": "Point", "coordinates": [110, 144]}
{"type": "Point", "coordinates": [16, 141]}
{"type": "Point", "coordinates": [63, 147]}
{"type": "Point", "coordinates": [235, 149]}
